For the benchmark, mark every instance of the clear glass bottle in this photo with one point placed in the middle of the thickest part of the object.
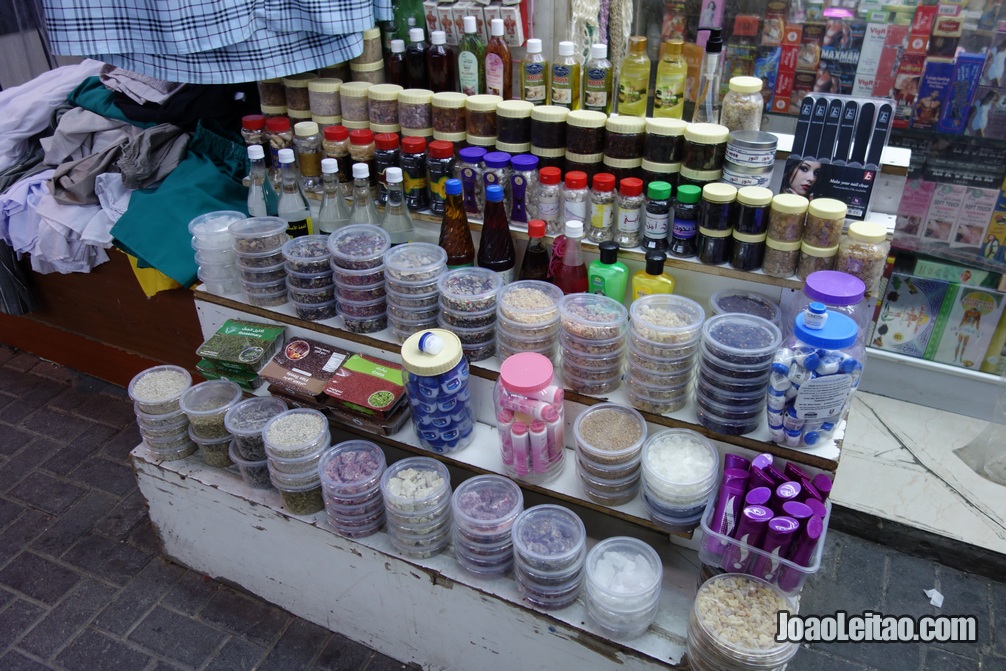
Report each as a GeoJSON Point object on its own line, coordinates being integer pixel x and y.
{"type": "Point", "coordinates": [536, 259]}
{"type": "Point", "coordinates": [415, 60]}
{"type": "Point", "coordinates": [575, 197]}
{"type": "Point", "coordinates": [629, 216]}
{"type": "Point", "coordinates": [293, 207]}
{"type": "Point", "coordinates": [455, 236]}
{"type": "Point", "coordinates": [523, 183]}
{"type": "Point", "coordinates": [396, 220]}
{"type": "Point", "coordinates": [565, 78]}
{"type": "Point", "coordinates": [634, 79]}
{"type": "Point", "coordinates": [496, 250]}
{"type": "Point", "coordinates": [334, 212]}
{"type": "Point", "coordinates": [307, 140]}
{"type": "Point", "coordinates": [280, 136]}
{"type": "Point", "coordinates": [743, 104]}
{"type": "Point", "coordinates": [548, 200]}
{"type": "Point", "coordinates": [534, 74]}
{"type": "Point", "coordinates": [602, 208]}
{"type": "Point", "coordinates": [658, 216]}
{"type": "Point", "coordinates": [387, 154]}
{"type": "Point", "coordinates": [262, 198]}
{"type": "Point", "coordinates": [597, 73]}
{"type": "Point", "coordinates": [439, 169]}
{"type": "Point", "coordinates": [417, 192]}
{"type": "Point", "coordinates": [470, 174]}
{"type": "Point", "coordinates": [499, 65]}
{"type": "Point", "coordinates": [362, 150]}
{"type": "Point", "coordinates": [707, 95]}
{"type": "Point", "coordinates": [672, 71]}
{"type": "Point", "coordinates": [471, 60]}
{"type": "Point", "coordinates": [394, 70]}
{"type": "Point", "coordinates": [571, 274]}
{"type": "Point", "coordinates": [440, 63]}
{"type": "Point", "coordinates": [336, 145]}
{"type": "Point", "coordinates": [363, 211]}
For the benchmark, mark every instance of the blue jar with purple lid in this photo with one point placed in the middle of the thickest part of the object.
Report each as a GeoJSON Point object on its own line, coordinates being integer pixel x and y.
{"type": "Point", "coordinates": [523, 180]}
{"type": "Point", "coordinates": [436, 375]}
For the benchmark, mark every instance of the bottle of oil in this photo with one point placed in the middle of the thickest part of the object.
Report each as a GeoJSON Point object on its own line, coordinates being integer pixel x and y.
{"type": "Point", "coordinates": [565, 80]}
{"type": "Point", "coordinates": [669, 95]}
{"type": "Point", "coordinates": [534, 74]}
{"type": "Point", "coordinates": [634, 79]}
{"type": "Point", "coordinates": [597, 80]}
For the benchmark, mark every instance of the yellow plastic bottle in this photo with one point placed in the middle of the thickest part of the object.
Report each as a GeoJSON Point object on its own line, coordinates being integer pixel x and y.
{"type": "Point", "coordinates": [652, 280]}
{"type": "Point", "coordinates": [634, 79]}
{"type": "Point", "coordinates": [672, 71]}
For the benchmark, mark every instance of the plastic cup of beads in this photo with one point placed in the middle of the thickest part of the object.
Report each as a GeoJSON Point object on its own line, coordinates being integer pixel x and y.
{"type": "Point", "coordinates": [256, 235]}
{"type": "Point", "coordinates": [679, 475]}
{"type": "Point", "coordinates": [741, 339]}
{"type": "Point", "coordinates": [609, 433]}
{"type": "Point", "coordinates": [415, 262]}
{"type": "Point", "coordinates": [206, 404]}
{"type": "Point", "coordinates": [549, 554]}
{"type": "Point", "coordinates": [622, 587]}
{"type": "Point", "coordinates": [359, 247]}
{"type": "Point", "coordinates": [157, 390]}
{"type": "Point", "coordinates": [212, 230]}
{"type": "Point", "coordinates": [254, 473]}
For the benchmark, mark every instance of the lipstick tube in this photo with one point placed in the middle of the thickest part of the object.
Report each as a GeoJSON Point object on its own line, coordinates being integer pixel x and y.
{"type": "Point", "coordinates": [539, 447]}
{"type": "Point", "coordinates": [761, 461]}
{"type": "Point", "coordinates": [504, 420]}
{"type": "Point", "coordinates": [817, 508]}
{"type": "Point", "coordinates": [788, 491]}
{"type": "Point", "coordinates": [749, 534]}
{"type": "Point", "coordinates": [760, 479]}
{"type": "Point", "coordinates": [822, 483]}
{"type": "Point", "coordinates": [530, 407]}
{"type": "Point", "coordinates": [725, 515]}
{"type": "Point", "coordinates": [519, 439]}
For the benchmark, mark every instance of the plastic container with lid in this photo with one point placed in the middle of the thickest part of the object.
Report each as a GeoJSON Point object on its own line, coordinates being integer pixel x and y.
{"type": "Point", "coordinates": [592, 317]}
{"type": "Point", "coordinates": [415, 262]}
{"type": "Point", "coordinates": [622, 585]}
{"type": "Point", "coordinates": [415, 111]}
{"type": "Point", "coordinates": [297, 98]}
{"type": "Point", "coordinates": [747, 251]}
{"type": "Point", "coordinates": [665, 141]}
{"type": "Point", "coordinates": [601, 212]}
{"type": "Point", "coordinates": [293, 436]}
{"type": "Point", "coordinates": [355, 104]}
{"type": "Point", "coordinates": [741, 339]}
{"type": "Point", "coordinates": [825, 220]}
{"type": "Point", "coordinates": [206, 403]}
{"type": "Point", "coordinates": [259, 235]}
{"type": "Point", "coordinates": [548, 126]}
{"type": "Point", "coordinates": [530, 418]}
{"type": "Point", "coordinates": [814, 259]}
{"type": "Point", "coordinates": [497, 172]}
{"type": "Point", "coordinates": [481, 115]}
{"type": "Point", "coordinates": [436, 382]}
{"type": "Point", "coordinates": [751, 212]}
{"type": "Point", "coordinates": [622, 168]}
{"type": "Point", "coordinates": [469, 290]}
{"type": "Point", "coordinates": [212, 230]}
{"type": "Point", "coordinates": [324, 97]}
{"type": "Point", "coordinates": [550, 158]}
{"type": "Point", "coordinates": [530, 303]}
{"type": "Point", "coordinates": [629, 215]}
{"type": "Point", "coordinates": [300, 499]}
{"type": "Point", "coordinates": [585, 132]}
{"type": "Point", "coordinates": [751, 148]}
{"type": "Point", "coordinates": [271, 92]}
{"type": "Point", "coordinates": [705, 146]}
{"type": "Point", "coordinates": [308, 254]}
{"type": "Point", "coordinates": [214, 451]}
{"type": "Point", "coordinates": [513, 121]}
{"type": "Point", "coordinates": [780, 258]}
{"type": "Point", "coordinates": [839, 292]}
{"type": "Point", "coordinates": [743, 104]}
{"type": "Point", "coordinates": [449, 114]}
{"type": "Point", "coordinates": [157, 390]}
{"type": "Point", "coordinates": [588, 164]}
{"type": "Point", "coordinates": [470, 173]}
{"type": "Point", "coordinates": [416, 487]}
{"type": "Point", "coordinates": [549, 543]}
{"type": "Point", "coordinates": [486, 506]}
{"type": "Point", "coordinates": [787, 217]}
{"type": "Point", "coordinates": [359, 247]}
{"type": "Point", "coordinates": [698, 178]}
{"type": "Point", "coordinates": [863, 253]}
{"type": "Point", "coordinates": [245, 420]}
{"type": "Point", "coordinates": [370, 73]}
{"type": "Point", "coordinates": [382, 111]}
{"type": "Point", "coordinates": [350, 475]}
{"type": "Point", "coordinates": [254, 473]}
{"type": "Point", "coordinates": [624, 137]}
{"type": "Point", "coordinates": [716, 211]}
{"type": "Point", "coordinates": [611, 435]}
{"type": "Point", "coordinates": [741, 301]}
{"type": "Point", "coordinates": [680, 469]}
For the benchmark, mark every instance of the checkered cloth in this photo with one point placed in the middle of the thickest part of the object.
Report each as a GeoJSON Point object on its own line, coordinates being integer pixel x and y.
{"type": "Point", "coordinates": [213, 41]}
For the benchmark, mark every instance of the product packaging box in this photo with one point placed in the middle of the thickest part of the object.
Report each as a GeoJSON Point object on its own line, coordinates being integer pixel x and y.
{"type": "Point", "coordinates": [946, 36]}
{"type": "Point", "coordinates": [933, 93]}
{"type": "Point", "coordinates": [432, 18]}
{"type": "Point", "coordinates": [242, 346]}
{"type": "Point", "coordinates": [767, 69]}
{"type": "Point", "coordinates": [512, 23]}
{"type": "Point", "coordinates": [995, 356]}
{"type": "Point", "coordinates": [906, 87]}
{"type": "Point", "coordinates": [369, 423]}
{"type": "Point", "coordinates": [914, 207]}
{"type": "Point", "coordinates": [811, 44]}
{"type": "Point", "coordinates": [938, 269]}
{"type": "Point", "coordinates": [303, 367]}
{"type": "Point", "coordinates": [445, 18]}
{"type": "Point", "coordinates": [367, 385]}
{"type": "Point", "coordinates": [907, 320]}
{"type": "Point", "coordinates": [987, 114]}
{"type": "Point", "coordinates": [963, 85]}
{"type": "Point", "coordinates": [974, 218]}
{"type": "Point", "coordinates": [966, 323]}
{"type": "Point", "coordinates": [994, 246]}
{"type": "Point", "coordinates": [247, 381]}
{"type": "Point", "coordinates": [944, 209]}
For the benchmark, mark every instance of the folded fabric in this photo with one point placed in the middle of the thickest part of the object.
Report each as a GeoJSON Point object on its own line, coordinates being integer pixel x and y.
{"type": "Point", "coordinates": [25, 110]}
{"type": "Point", "coordinates": [82, 133]}
{"type": "Point", "coordinates": [73, 181]}
{"type": "Point", "coordinates": [138, 87]}
{"type": "Point", "coordinates": [59, 247]}
{"type": "Point", "coordinates": [155, 227]}
{"type": "Point", "coordinates": [152, 155]}
{"type": "Point", "coordinates": [151, 280]}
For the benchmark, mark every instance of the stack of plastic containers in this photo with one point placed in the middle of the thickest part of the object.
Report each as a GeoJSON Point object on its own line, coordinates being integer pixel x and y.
{"type": "Point", "coordinates": [351, 487]}
{"type": "Point", "coordinates": [206, 404]}
{"type": "Point", "coordinates": [623, 585]}
{"type": "Point", "coordinates": [311, 288]}
{"type": "Point", "coordinates": [592, 332]}
{"type": "Point", "coordinates": [244, 421]}
{"type": "Point", "coordinates": [412, 270]}
{"type": "Point", "coordinates": [468, 309]}
{"type": "Point", "coordinates": [527, 315]}
{"type": "Point", "coordinates": [294, 441]}
{"type": "Point", "coordinates": [358, 262]}
{"type": "Point", "coordinates": [663, 338]}
{"type": "Point", "coordinates": [722, 635]}
{"type": "Point", "coordinates": [164, 427]}
{"type": "Point", "coordinates": [417, 502]}
{"type": "Point", "coordinates": [211, 238]}
{"type": "Point", "coordinates": [740, 301]}
{"type": "Point", "coordinates": [549, 548]}
{"type": "Point", "coordinates": [735, 363]}
{"type": "Point", "coordinates": [258, 243]}
{"type": "Point", "coordinates": [609, 443]}
{"type": "Point", "coordinates": [485, 508]}
{"type": "Point", "coordinates": [679, 477]}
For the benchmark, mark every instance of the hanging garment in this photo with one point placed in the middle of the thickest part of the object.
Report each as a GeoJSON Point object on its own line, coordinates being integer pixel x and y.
{"type": "Point", "coordinates": [137, 87]}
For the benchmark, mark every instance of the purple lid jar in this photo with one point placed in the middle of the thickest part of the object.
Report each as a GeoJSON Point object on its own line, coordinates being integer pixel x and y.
{"type": "Point", "coordinates": [472, 154]}
{"type": "Point", "coordinates": [832, 287]}
{"type": "Point", "coordinates": [497, 159]}
{"type": "Point", "coordinates": [523, 162]}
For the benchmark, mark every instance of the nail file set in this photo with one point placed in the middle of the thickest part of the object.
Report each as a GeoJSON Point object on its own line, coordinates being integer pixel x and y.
{"type": "Point", "coordinates": [837, 148]}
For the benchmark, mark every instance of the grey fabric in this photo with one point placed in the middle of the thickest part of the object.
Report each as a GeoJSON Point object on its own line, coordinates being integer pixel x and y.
{"type": "Point", "coordinates": [73, 181]}
{"type": "Point", "coordinates": [141, 88]}
{"type": "Point", "coordinates": [81, 133]}
{"type": "Point", "coordinates": [152, 155]}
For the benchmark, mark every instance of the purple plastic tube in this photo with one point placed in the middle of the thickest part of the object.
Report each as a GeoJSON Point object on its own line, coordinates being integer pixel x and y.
{"type": "Point", "coordinates": [794, 472]}
{"type": "Point", "coordinates": [776, 475]}
{"type": "Point", "coordinates": [822, 483]}
{"type": "Point", "coordinates": [787, 491]}
{"type": "Point", "coordinates": [796, 510]}
{"type": "Point", "coordinates": [759, 496]}
{"type": "Point", "coordinates": [738, 475]}
{"type": "Point", "coordinates": [759, 479]}
{"type": "Point", "coordinates": [800, 554]}
{"type": "Point", "coordinates": [761, 461]}
{"type": "Point", "coordinates": [725, 515]}
{"type": "Point", "coordinates": [817, 508]}
{"type": "Point", "coordinates": [754, 520]}
{"type": "Point", "coordinates": [777, 541]}
{"type": "Point", "coordinates": [736, 461]}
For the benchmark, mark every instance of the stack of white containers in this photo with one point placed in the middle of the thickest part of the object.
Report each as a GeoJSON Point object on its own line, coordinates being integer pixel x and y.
{"type": "Point", "coordinates": [417, 502]}
{"type": "Point", "coordinates": [165, 428]}
{"type": "Point", "coordinates": [258, 243]}
{"type": "Point", "coordinates": [309, 282]}
{"type": "Point", "coordinates": [358, 262]}
{"type": "Point", "coordinates": [412, 270]}
{"type": "Point", "coordinates": [214, 252]}
{"type": "Point", "coordinates": [294, 442]}
{"type": "Point", "coordinates": [206, 404]}
{"type": "Point", "coordinates": [623, 585]}
{"type": "Point", "coordinates": [351, 487]}
{"type": "Point", "coordinates": [527, 316]}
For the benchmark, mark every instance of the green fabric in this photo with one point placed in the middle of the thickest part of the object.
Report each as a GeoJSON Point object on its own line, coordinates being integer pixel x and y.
{"type": "Point", "coordinates": [155, 227]}
{"type": "Point", "coordinates": [92, 95]}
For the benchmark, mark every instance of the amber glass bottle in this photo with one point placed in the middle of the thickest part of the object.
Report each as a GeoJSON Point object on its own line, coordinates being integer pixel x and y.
{"type": "Point", "coordinates": [499, 65]}
{"type": "Point", "coordinates": [455, 236]}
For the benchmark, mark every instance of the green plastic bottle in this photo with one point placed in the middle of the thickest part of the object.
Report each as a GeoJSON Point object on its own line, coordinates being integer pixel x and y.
{"type": "Point", "coordinates": [472, 60]}
{"type": "Point", "coordinates": [634, 79]}
{"type": "Point", "coordinates": [608, 275]}
{"type": "Point", "coordinates": [597, 80]}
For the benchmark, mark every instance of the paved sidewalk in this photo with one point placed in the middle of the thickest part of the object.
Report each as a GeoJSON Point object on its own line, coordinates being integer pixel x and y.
{"type": "Point", "coordinates": [82, 584]}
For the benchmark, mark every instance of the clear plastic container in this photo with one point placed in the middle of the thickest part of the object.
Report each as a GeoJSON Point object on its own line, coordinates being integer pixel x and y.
{"type": "Point", "coordinates": [469, 289]}
{"type": "Point", "coordinates": [661, 368]}
{"type": "Point", "coordinates": [467, 321]}
{"type": "Point", "coordinates": [311, 297]}
{"type": "Point", "coordinates": [245, 420]}
{"type": "Point", "coordinates": [215, 257]}
{"type": "Point", "coordinates": [315, 312]}
{"type": "Point", "coordinates": [159, 421]}
{"type": "Point", "coordinates": [726, 425]}
{"type": "Point", "coordinates": [266, 259]}
{"type": "Point", "coordinates": [214, 451]}
{"type": "Point", "coordinates": [659, 405]}
{"type": "Point", "coordinates": [549, 555]}
{"type": "Point", "coordinates": [219, 273]}
{"type": "Point", "coordinates": [267, 276]}
{"type": "Point", "coordinates": [206, 403]}
{"type": "Point", "coordinates": [309, 281]}
{"type": "Point", "coordinates": [359, 247]}
{"type": "Point", "coordinates": [256, 235]}
{"type": "Point", "coordinates": [623, 577]}
{"type": "Point", "coordinates": [295, 434]}
{"type": "Point", "coordinates": [166, 433]}
{"type": "Point", "coordinates": [356, 293]}
{"type": "Point", "coordinates": [531, 333]}
{"type": "Point", "coordinates": [362, 309]}
{"type": "Point", "coordinates": [212, 230]}
{"type": "Point", "coordinates": [486, 506]}
{"type": "Point", "coordinates": [745, 373]}
{"type": "Point", "coordinates": [741, 339]}
{"type": "Point", "coordinates": [530, 418]}
{"type": "Point", "coordinates": [415, 486]}
{"type": "Point", "coordinates": [157, 390]}
{"type": "Point", "coordinates": [653, 348]}
{"type": "Point", "coordinates": [479, 335]}
{"type": "Point", "coordinates": [592, 317]}
{"type": "Point", "coordinates": [666, 318]}
{"type": "Point", "coordinates": [254, 473]}
{"type": "Point", "coordinates": [302, 499]}
{"type": "Point", "coordinates": [576, 346]}
{"type": "Point", "coordinates": [608, 491]}
{"type": "Point", "coordinates": [307, 254]}
{"type": "Point", "coordinates": [415, 262]}
{"type": "Point", "coordinates": [740, 301]}
{"type": "Point", "coordinates": [173, 453]}
{"type": "Point", "coordinates": [594, 385]}
{"type": "Point", "coordinates": [367, 277]}
{"type": "Point", "coordinates": [709, 375]}
{"type": "Point", "coordinates": [679, 468]}
{"type": "Point", "coordinates": [529, 302]}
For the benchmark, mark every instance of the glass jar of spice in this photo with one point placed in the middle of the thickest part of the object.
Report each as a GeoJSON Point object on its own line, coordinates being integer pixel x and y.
{"type": "Point", "coordinates": [743, 104]}
{"type": "Point", "coordinates": [575, 197]}
{"type": "Point", "coordinates": [686, 222]}
{"type": "Point", "coordinates": [415, 112]}
{"type": "Point", "coordinates": [825, 219]}
{"type": "Point", "coordinates": [280, 136]}
{"type": "Point", "coordinates": [253, 131]}
{"type": "Point", "coordinates": [326, 121]}
{"type": "Point", "coordinates": [748, 250]}
{"type": "Point", "coordinates": [324, 98]}
{"type": "Point", "coordinates": [363, 150]}
{"type": "Point", "coordinates": [781, 258]}
{"type": "Point", "coordinates": [548, 201]}
{"type": "Point", "coordinates": [813, 259]}
{"type": "Point", "coordinates": [449, 114]}
{"type": "Point", "coordinates": [470, 174]}
{"type": "Point", "coordinates": [307, 140]}
{"type": "Point", "coordinates": [297, 98]}
{"type": "Point", "coordinates": [705, 146]}
{"type": "Point", "coordinates": [513, 121]}
{"type": "Point", "coordinates": [370, 73]}
{"type": "Point", "coordinates": [270, 112]}
{"type": "Point", "coordinates": [548, 126]}
{"type": "Point", "coordinates": [656, 172]}
{"type": "Point", "coordinates": [497, 171]}
{"type": "Point", "coordinates": [387, 154]}
{"type": "Point", "coordinates": [589, 164]}
{"type": "Point", "coordinates": [550, 158]}
{"type": "Point", "coordinates": [439, 169]}
{"type": "Point", "coordinates": [752, 210]}
{"type": "Point", "coordinates": [481, 110]}
{"type": "Point", "coordinates": [629, 215]}
{"type": "Point", "coordinates": [623, 168]}
{"type": "Point", "coordinates": [714, 246]}
{"type": "Point", "coordinates": [355, 104]}
{"type": "Point", "coordinates": [585, 132]}
{"type": "Point", "coordinates": [271, 92]}
{"type": "Point", "coordinates": [786, 217]}
{"type": "Point", "coordinates": [863, 253]}
{"type": "Point", "coordinates": [336, 145]}
{"type": "Point", "coordinates": [523, 183]}
{"type": "Point", "coordinates": [382, 101]}
{"type": "Point", "coordinates": [602, 208]}
{"type": "Point", "coordinates": [624, 137]}
{"type": "Point", "coordinates": [417, 193]}
{"type": "Point", "coordinates": [716, 211]}
{"type": "Point", "coordinates": [665, 140]}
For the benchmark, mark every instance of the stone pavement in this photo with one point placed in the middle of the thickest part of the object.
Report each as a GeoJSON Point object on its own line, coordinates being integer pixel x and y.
{"type": "Point", "coordinates": [82, 584]}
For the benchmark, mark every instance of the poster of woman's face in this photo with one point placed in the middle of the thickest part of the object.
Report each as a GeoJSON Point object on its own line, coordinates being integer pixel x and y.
{"type": "Point", "coordinates": [801, 178]}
